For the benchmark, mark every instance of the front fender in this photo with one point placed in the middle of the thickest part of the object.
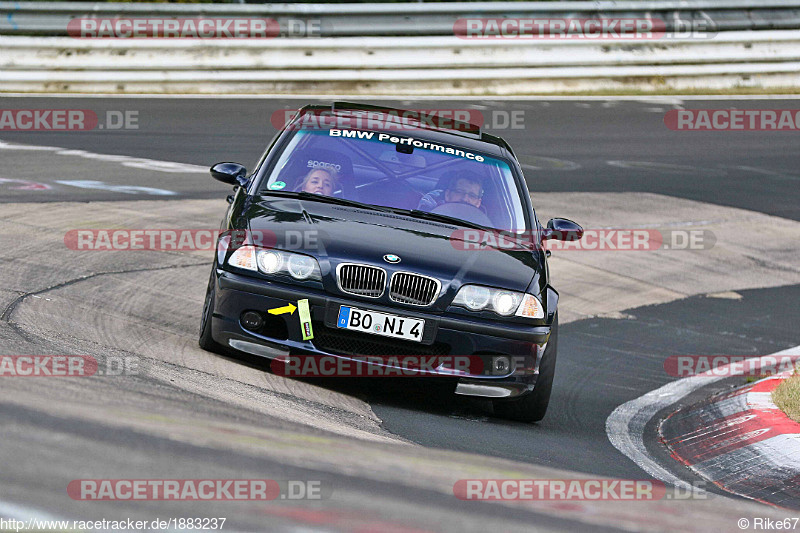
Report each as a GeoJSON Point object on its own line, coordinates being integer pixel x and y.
{"type": "Point", "coordinates": [552, 303]}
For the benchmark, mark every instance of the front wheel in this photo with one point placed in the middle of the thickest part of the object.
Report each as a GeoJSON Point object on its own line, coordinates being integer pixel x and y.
{"type": "Point", "coordinates": [533, 406]}
{"type": "Point", "coordinates": [206, 341]}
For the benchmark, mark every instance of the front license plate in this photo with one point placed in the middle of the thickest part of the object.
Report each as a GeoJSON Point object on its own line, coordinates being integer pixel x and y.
{"type": "Point", "coordinates": [398, 327]}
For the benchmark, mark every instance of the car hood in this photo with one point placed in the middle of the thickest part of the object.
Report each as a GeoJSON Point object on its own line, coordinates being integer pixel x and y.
{"type": "Point", "coordinates": [336, 234]}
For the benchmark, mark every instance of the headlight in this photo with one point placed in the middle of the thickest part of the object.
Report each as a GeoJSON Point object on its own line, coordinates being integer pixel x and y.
{"type": "Point", "coordinates": [502, 302]}
{"type": "Point", "coordinates": [270, 262]}
{"type": "Point", "coordinates": [301, 266]}
{"type": "Point", "coordinates": [506, 302]}
{"type": "Point", "coordinates": [475, 297]}
{"type": "Point", "coordinates": [298, 266]}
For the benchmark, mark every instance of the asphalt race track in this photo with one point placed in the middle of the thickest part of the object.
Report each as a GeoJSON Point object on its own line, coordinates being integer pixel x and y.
{"type": "Point", "coordinates": [751, 170]}
{"type": "Point", "coordinates": [385, 452]}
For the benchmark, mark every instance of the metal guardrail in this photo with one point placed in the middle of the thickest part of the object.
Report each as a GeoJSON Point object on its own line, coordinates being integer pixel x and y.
{"type": "Point", "coordinates": [409, 19]}
{"type": "Point", "coordinates": [373, 55]}
{"type": "Point", "coordinates": [417, 65]}
{"type": "Point", "coordinates": [407, 48]}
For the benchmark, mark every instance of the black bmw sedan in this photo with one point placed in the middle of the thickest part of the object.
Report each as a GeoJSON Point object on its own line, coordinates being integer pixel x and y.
{"type": "Point", "coordinates": [378, 235]}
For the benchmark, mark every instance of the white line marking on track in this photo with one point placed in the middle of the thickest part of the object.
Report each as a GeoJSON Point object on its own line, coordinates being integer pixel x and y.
{"type": "Point", "coordinates": [767, 172]}
{"type": "Point", "coordinates": [22, 512]}
{"type": "Point", "coordinates": [625, 426]}
{"type": "Point", "coordinates": [666, 168]}
{"type": "Point", "coordinates": [126, 189]}
{"type": "Point", "coordinates": [25, 185]}
{"type": "Point", "coordinates": [31, 515]}
{"type": "Point", "coordinates": [548, 163]}
{"type": "Point", "coordinates": [124, 160]}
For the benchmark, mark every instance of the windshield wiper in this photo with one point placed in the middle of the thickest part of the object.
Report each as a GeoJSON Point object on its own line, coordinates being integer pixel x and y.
{"type": "Point", "coordinates": [457, 221]}
{"type": "Point", "coordinates": [427, 215]}
{"type": "Point", "coordinates": [414, 213]}
{"type": "Point", "coordinates": [327, 199]}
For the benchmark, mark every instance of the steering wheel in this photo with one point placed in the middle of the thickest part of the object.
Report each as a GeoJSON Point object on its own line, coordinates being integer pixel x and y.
{"type": "Point", "coordinates": [464, 211]}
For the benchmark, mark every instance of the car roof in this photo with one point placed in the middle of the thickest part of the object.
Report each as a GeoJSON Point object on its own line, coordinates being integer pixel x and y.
{"type": "Point", "coordinates": [464, 134]}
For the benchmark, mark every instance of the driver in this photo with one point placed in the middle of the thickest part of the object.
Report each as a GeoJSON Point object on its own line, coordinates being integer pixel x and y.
{"type": "Point", "coordinates": [320, 181]}
{"type": "Point", "coordinates": [462, 187]}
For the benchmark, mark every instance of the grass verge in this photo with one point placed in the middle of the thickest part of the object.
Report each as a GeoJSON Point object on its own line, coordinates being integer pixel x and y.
{"type": "Point", "coordinates": [787, 397]}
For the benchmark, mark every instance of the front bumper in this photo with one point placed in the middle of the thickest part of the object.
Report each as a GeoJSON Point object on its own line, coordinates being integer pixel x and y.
{"type": "Point", "coordinates": [510, 352]}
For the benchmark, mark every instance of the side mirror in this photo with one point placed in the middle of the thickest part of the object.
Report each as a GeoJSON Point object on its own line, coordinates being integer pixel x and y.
{"type": "Point", "coordinates": [562, 229]}
{"type": "Point", "coordinates": [230, 173]}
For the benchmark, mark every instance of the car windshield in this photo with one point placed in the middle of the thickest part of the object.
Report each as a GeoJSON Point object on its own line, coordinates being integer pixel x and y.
{"type": "Point", "coordinates": [400, 171]}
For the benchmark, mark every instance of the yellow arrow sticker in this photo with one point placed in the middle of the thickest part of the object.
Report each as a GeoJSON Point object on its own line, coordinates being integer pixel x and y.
{"type": "Point", "coordinates": [285, 309]}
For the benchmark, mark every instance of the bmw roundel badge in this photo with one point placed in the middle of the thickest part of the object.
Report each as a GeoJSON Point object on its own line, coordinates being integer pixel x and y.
{"type": "Point", "coordinates": [391, 258]}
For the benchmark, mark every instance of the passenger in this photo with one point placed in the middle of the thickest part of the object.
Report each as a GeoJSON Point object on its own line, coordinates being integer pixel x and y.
{"type": "Point", "coordinates": [320, 181]}
{"type": "Point", "coordinates": [462, 187]}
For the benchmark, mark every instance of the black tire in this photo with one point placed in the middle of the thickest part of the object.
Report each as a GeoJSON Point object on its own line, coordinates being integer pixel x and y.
{"type": "Point", "coordinates": [206, 341]}
{"type": "Point", "coordinates": [533, 406]}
